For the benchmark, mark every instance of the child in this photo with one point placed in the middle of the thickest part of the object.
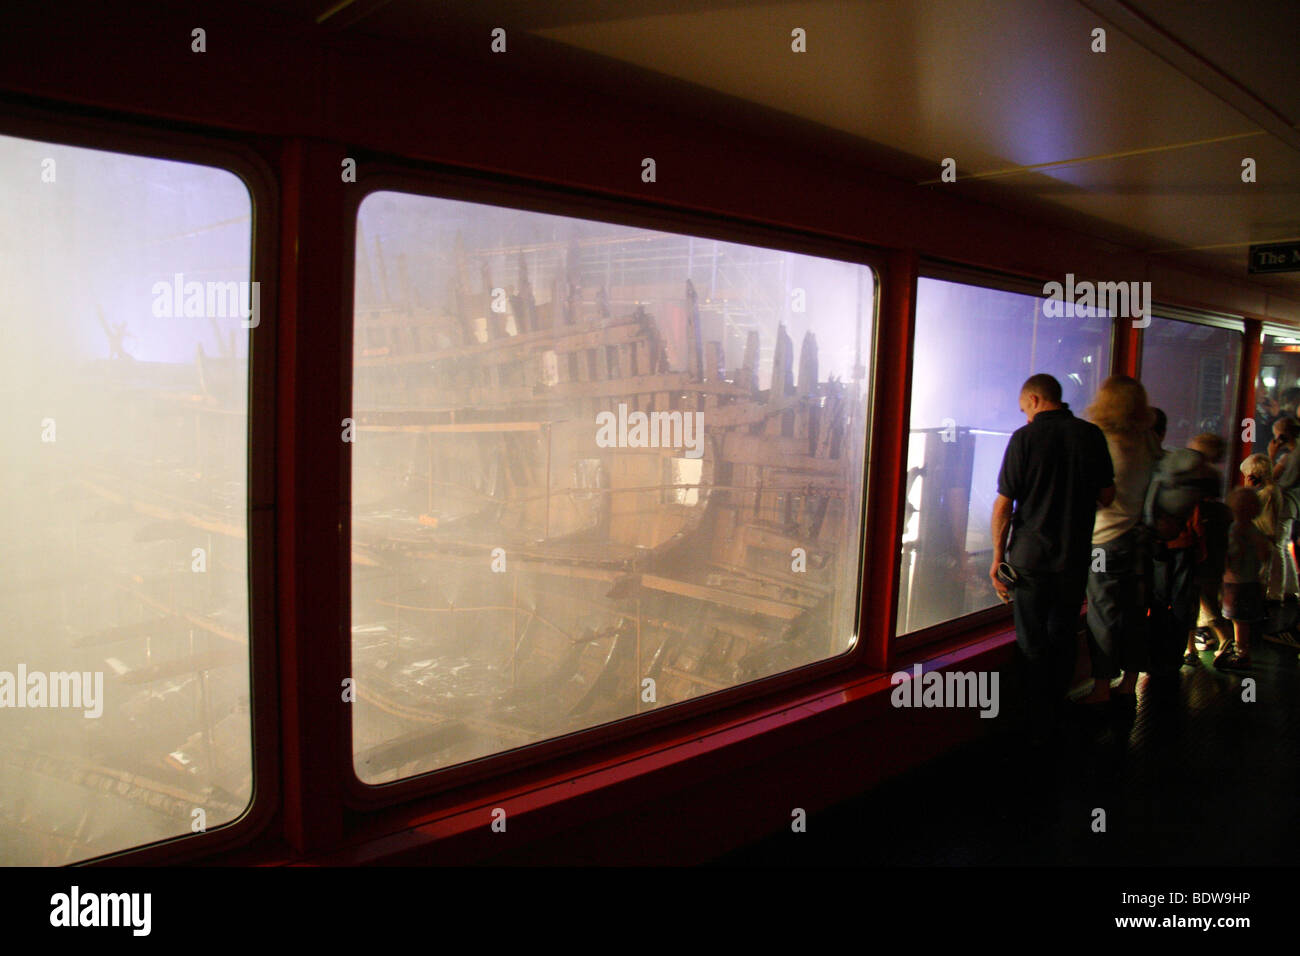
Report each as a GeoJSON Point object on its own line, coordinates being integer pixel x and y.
{"type": "Point", "coordinates": [1243, 595]}
{"type": "Point", "coordinates": [1258, 474]}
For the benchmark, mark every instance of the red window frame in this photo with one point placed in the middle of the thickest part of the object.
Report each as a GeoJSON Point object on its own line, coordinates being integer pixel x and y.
{"type": "Point", "coordinates": [385, 174]}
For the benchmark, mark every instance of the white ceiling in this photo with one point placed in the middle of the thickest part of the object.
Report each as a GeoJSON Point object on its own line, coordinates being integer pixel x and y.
{"type": "Point", "coordinates": [1005, 85]}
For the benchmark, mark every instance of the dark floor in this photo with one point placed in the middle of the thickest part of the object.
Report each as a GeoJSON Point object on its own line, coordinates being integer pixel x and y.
{"type": "Point", "coordinates": [1190, 776]}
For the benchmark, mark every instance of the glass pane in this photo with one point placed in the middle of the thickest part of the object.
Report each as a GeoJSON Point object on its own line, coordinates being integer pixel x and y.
{"type": "Point", "coordinates": [124, 602]}
{"type": "Point", "coordinates": [577, 495]}
{"type": "Point", "coordinates": [1190, 371]}
{"type": "Point", "coordinates": [974, 349]}
{"type": "Point", "coordinates": [1277, 390]}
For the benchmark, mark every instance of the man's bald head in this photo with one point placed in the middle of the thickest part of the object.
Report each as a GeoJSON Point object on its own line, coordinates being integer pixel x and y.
{"type": "Point", "coordinates": [1044, 386]}
{"type": "Point", "coordinates": [1040, 393]}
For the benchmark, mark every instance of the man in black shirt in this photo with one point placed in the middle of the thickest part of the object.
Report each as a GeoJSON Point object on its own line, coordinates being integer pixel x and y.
{"type": "Point", "coordinates": [1056, 471]}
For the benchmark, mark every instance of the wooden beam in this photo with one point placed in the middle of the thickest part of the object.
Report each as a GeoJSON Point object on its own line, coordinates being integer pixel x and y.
{"type": "Point", "coordinates": [466, 428]}
{"type": "Point", "coordinates": [183, 665]}
{"type": "Point", "coordinates": [774, 451]}
{"type": "Point", "coordinates": [168, 514]}
{"type": "Point", "coordinates": [765, 606]}
{"type": "Point", "coordinates": [623, 332]}
{"type": "Point", "coordinates": [125, 632]}
{"type": "Point", "coordinates": [199, 622]}
{"type": "Point", "coordinates": [668, 382]}
{"type": "Point", "coordinates": [749, 413]}
{"type": "Point", "coordinates": [801, 584]}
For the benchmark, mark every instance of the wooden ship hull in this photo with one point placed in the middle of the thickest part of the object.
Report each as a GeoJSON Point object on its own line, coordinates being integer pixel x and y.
{"type": "Point", "coordinates": [513, 580]}
{"type": "Point", "coordinates": [102, 577]}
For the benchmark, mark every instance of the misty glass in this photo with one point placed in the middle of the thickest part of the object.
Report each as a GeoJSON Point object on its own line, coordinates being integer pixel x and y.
{"type": "Point", "coordinates": [123, 497]}
{"type": "Point", "coordinates": [1190, 371]}
{"type": "Point", "coordinates": [1278, 386]}
{"type": "Point", "coordinates": [596, 470]}
{"type": "Point", "coordinates": [974, 348]}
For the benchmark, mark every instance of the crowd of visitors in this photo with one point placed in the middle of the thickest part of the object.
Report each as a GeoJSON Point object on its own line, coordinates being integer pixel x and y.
{"type": "Point", "coordinates": [1097, 508]}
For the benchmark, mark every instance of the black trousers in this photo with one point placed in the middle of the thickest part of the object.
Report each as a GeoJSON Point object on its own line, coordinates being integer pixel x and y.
{"type": "Point", "coordinates": [1117, 614]}
{"type": "Point", "coordinates": [1046, 607]}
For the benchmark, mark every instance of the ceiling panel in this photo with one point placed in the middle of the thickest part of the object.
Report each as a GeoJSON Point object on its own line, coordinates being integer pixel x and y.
{"type": "Point", "coordinates": [1185, 196]}
{"type": "Point", "coordinates": [1188, 202]}
{"type": "Point", "coordinates": [1255, 43]}
{"type": "Point", "coordinates": [992, 85]}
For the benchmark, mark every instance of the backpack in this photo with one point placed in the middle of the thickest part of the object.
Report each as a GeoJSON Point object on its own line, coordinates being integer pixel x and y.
{"type": "Point", "coordinates": [1182, 479]}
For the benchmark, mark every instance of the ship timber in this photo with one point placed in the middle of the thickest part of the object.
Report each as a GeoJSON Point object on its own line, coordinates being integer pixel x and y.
{"type": "Point", "coordinates": [514, 581]}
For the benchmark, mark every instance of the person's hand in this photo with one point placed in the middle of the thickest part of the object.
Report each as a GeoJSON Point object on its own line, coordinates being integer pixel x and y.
{"type": "Point", "coordinates": [1003, 594]}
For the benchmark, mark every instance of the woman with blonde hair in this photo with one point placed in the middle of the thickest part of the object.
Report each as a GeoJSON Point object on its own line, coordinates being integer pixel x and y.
{"type": "Point", "coordinates": [1115, 604]}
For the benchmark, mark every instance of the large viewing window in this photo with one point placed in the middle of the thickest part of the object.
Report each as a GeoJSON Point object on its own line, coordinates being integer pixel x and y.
{"type": "Point", "coordinates": [596, 470]}
{"type": "Point", "coordinates": [974, 348]}
{"type": "Point", "coordinates": [124, 678]}
{"type": "Point", "coordinates": [1190, 371]}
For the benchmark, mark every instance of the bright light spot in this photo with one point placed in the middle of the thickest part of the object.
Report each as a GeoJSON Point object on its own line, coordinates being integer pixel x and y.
{"type": "Point", "coordinates": [1269, 381]}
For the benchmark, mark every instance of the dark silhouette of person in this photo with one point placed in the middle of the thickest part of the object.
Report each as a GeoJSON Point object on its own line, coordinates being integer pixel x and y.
{"type": "Point", "coordinates": [1055, 473]}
